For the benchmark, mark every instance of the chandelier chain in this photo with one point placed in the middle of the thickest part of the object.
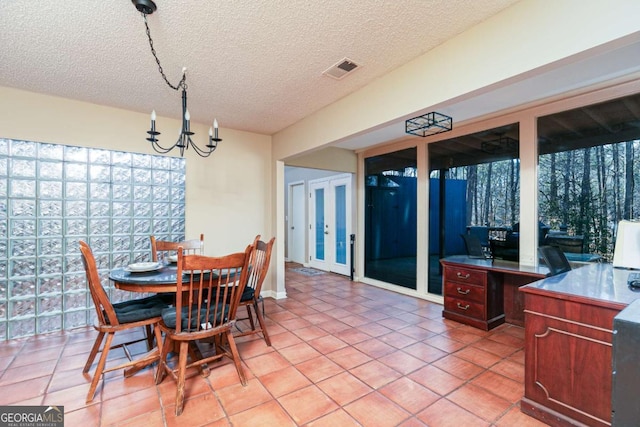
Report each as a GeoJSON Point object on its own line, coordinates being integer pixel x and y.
{"type": "Point", "coordinates": [147, 7]}
{"type": "Point", "coordinates": [182, 83]}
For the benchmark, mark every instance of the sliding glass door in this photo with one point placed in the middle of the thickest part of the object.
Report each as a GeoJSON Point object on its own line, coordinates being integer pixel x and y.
{"type": "Point", "coordinates": [390, 217]}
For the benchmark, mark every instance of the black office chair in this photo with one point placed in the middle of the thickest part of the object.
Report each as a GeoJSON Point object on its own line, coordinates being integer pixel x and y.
{"type": "Point", "coordinates": [555, 259]}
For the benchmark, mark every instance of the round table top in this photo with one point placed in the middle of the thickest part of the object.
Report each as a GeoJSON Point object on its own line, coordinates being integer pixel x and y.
{"type": "Point", "coordinates": [162, 280]}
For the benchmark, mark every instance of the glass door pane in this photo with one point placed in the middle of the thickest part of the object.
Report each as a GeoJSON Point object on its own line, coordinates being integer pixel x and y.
{"type": "Point", "coordinates": [340, 192]}
{"type": "Point", "coordinates": [319, 223]}
{"type": "Point", "coordinates": [391, 217]}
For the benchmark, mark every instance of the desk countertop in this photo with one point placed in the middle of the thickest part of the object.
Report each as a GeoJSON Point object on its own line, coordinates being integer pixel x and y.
{"type": "Point", "coordinates": [599, 282]}
{"type": "Point", "coordinates": [497, 265]}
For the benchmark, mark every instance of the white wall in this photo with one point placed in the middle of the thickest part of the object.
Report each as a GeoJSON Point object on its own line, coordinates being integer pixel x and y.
{"type": "Point", "coordinates": [228, 195]}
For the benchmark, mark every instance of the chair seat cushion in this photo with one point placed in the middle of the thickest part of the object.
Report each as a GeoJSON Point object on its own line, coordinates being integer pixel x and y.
{"type": "Point", "coordinates": [248, 294]}
{"type": "Point", "coordinates": [139, 309]}
{"type": "Point", "coordinates": [169, 317]}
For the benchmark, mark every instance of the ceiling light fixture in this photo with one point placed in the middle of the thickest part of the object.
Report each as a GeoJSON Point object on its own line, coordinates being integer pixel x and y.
{"type": "Point", "coordinates": [501, 145]}
{"type": "Point", "coordinates": [429, 124]}
{"type": "Point", "coordinates": [147, 7]}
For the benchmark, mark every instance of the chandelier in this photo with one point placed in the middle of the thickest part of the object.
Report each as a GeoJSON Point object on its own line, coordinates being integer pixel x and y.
{"type": "Point", "coordinates": [147, 7]}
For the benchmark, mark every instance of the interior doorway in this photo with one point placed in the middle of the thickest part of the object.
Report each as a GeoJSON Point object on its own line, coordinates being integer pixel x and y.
{"type": "Point", "coordinates": [297, 230]}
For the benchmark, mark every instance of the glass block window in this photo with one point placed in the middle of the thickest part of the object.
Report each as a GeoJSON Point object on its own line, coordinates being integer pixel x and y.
{"type": "Point", "coordinates": [52, 196]}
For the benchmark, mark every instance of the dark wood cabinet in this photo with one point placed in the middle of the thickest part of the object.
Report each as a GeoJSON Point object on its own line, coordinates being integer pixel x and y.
{"type": "Point", "coordinates": [484, 293]}
{"type": "Point", "coordinates": [473, 297]}
{"type": "Point", "coordinates": [568, 345]}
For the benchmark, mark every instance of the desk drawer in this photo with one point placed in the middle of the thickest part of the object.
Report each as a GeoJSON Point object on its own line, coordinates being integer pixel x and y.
{"type": "Point", "coordinates": [465, 308]}
{"type": "Point", "coordinates": [465, 275]}
{"type": "Point", "coordinates": [464, 291]}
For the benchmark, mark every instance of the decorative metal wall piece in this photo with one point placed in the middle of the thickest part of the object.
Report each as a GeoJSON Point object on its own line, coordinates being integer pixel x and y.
{"type": "Point", "coordinates": [429, 124]}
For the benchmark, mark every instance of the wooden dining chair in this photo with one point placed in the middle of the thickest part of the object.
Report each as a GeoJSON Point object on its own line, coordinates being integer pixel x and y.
{"type": "Point", "coordinates": [222, 280]}
{"type": "Point", "coordinates": [190, 247]}
{"type": "Point", "coordinates": [258, 268]}
{"type": "Point", "coordinates": [112, 318]}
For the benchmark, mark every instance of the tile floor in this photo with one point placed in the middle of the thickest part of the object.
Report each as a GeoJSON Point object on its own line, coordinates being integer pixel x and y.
{"type": "Point", "coordinates": [343, 354]}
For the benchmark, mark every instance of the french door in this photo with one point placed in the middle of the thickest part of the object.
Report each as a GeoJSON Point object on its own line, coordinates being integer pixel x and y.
{"type": "Point", "coordinates": [330, 224]}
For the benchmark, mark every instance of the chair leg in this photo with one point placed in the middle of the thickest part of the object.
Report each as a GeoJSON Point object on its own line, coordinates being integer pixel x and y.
{"type": "Point", "coordinates": [162, 363]}
{"type": "Point", "coordinates": [182, 368]}
{"type": "Point", "coordinates": [94, 352]}
{"type": "Point", "coordinates": [236, 357]}
{"type": "Point", "coordinates": [253, 325]}
{"type": "Point", "coordinates": [256, 307]}
{"type": "Point", "coordinates": [158, 334]}
{"type": "Point", "coordinates": [98, 374]}
{"type": "Point", "coordinates": [149, 335]}
{"type": "Point", "coordinates": [195, 354]}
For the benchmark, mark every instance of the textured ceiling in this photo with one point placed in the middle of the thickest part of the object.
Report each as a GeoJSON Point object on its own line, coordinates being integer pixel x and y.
{"type": "Point", "coordinates": [254, 65]}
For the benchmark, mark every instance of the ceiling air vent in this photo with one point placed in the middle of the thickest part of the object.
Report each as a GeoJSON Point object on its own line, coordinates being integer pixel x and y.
{"type": "Point", "coordinates": [341, 69]}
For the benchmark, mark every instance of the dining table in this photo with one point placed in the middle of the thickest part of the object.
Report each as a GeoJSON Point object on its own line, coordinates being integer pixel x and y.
{"type": "Point", "coordinates": [156, 277]}
{"type": "Point", "coordinates": [162, 278]}
{"type": "Point", "coordinates": [159, 277]}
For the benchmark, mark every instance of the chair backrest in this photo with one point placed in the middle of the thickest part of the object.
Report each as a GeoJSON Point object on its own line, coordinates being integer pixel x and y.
{"type": "Point", "coordinates": [555, 259]}
{"type": "Point", "coordinates": [104, 310]}
{"type": "Point", "coordinates": [573, 244]}
{"type": "Point", "coordinates": [259, 264]}
{"type": "Point", "coordinates": [189, 247]}
{"type": "Point", "coordinates": [473, 245]}
{"type": "Point", "coordinates": [209, 290]}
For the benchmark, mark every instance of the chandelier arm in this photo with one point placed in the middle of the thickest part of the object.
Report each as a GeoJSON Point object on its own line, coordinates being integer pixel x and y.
{"type": "Point", "coordinates": [182, 82]}
{"type": "Point", "coordinates": [202, 153]}
{"type": "Point", "coordinates": [159, 148]}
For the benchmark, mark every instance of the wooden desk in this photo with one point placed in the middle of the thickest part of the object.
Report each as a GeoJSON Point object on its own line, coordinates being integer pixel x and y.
{"type": "Point", "coordinates": [568, 344]}
{"type": "Point", "coordinates": [483, 292]}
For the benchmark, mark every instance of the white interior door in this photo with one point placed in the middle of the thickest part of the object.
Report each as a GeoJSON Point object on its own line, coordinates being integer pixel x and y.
{"type": "Point", "coordinates": [330, 224]}
{"type": "Point", "coordinates": [297, 221]}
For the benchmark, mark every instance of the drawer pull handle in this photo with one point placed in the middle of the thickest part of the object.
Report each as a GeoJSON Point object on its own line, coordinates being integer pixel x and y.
{"type": "Point", "coordinates": [463, 307]}
{"type": "Point", "coordinates": [465, 292]}
{"type": "Point", "coordinates": [462, 276]}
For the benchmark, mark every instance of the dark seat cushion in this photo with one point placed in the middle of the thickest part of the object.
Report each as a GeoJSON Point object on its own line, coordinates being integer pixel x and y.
{"type": "Point", "coordinates": [248, 294]}
{"type": "Point", "coordinates": [168, 297]}
{"type": "Point", "coordinates": [169, 317]}
{"type": "Point", "coordinates": [139, 309]}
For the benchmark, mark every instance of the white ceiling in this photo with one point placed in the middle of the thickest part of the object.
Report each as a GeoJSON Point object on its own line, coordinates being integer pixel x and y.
{"type": "Point", "coordinates": [257, 65]}
{"type": "Point", "coordinates": [254, 65]}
